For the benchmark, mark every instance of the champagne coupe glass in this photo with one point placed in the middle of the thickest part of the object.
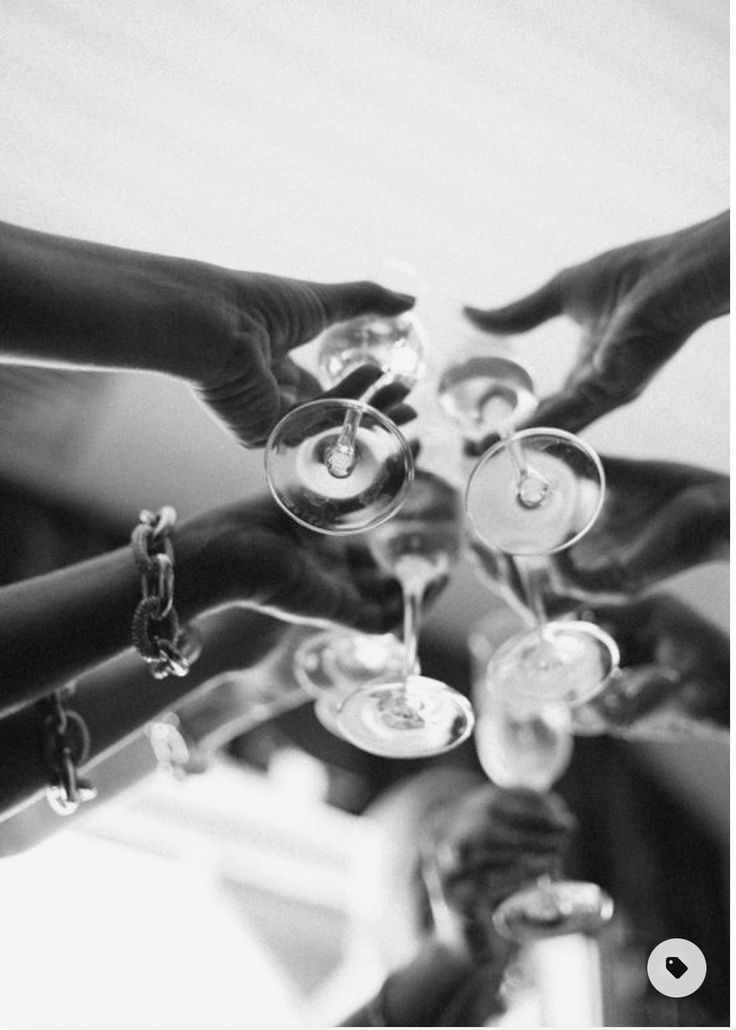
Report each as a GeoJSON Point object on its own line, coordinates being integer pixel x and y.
{"type": "Point", "coordinates": [340, 466]}
{"type": "Point", "coordinates": [487, 391]}
{"type": "Point", "coordinates": [532, 494]}
{"type": "Point", "coordinates": [330, 665]}
{"type": "Point", "coordinates": [536, 491]}
{"type": "Point", "coordinates": [413, 716]}
{"type": "Point", "coordinates": [525, 744]}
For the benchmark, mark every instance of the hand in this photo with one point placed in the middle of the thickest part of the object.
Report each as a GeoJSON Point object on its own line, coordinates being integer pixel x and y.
{"type": "Point", "coordinates": [253, 553]}
{"type": "Point", "coordinates": [658, 519]}
{"type": "Point", "coordinates": [258, 382]}
{"type": "Point", "coordinates": [83, 304]}
{"type": "Point", "coordinates": [674, 679]}
{"type": "Point", "coordinates": [478, 853]}
{"type": "Point", "coordinates": [637, 305]}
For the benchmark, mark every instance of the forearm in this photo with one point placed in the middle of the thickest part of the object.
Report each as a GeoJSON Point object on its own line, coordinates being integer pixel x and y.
{"type": "Point", "coordinates": [57, 626]}
{"type": "Point", "coordinates": [118, 699]}
{"type": "Point", "coordinates": [72, 302]}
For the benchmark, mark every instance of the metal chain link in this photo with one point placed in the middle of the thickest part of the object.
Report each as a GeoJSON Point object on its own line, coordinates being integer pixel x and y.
{"type": "Point", "coordinates": [157, 635]}
{"type": "Point", "coordinates": [65, 747]}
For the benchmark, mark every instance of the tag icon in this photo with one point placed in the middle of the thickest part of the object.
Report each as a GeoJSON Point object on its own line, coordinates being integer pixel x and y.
{"type": "Point", "coordinates": [675, 966]}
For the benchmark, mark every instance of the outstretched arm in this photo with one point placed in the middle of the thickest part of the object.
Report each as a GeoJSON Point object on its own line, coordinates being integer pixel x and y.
{"type": "Point", "coordinates": [56, 627]}
{"type": "Point", "coordinates": [229, 333]}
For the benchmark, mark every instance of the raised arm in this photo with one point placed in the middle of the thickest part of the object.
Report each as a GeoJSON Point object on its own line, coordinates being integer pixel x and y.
{"type": "Point", "coordinates": [229, 333]}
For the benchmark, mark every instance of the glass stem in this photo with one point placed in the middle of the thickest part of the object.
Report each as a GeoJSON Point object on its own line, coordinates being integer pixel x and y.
{"type": "Point", "coordinates": [340, 458]}
{"type": "Point", "coordinates": [532, 593]}
{"type": "Point", "coordinates": [531, 486]}
{"type": "Point", "coordinates": [413, 595]}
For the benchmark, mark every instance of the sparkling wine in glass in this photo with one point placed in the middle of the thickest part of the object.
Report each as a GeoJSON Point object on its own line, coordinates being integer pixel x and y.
{"type": "Point", "coordinates": [413, 716]}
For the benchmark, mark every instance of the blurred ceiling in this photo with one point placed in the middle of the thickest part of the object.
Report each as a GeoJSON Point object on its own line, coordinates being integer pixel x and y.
{"type": "Point", "coordinates": [487, 143]}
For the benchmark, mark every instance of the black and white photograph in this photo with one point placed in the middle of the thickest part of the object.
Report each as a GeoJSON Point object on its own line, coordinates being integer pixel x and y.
{"type": "Point", "coordinates": [364, 514]}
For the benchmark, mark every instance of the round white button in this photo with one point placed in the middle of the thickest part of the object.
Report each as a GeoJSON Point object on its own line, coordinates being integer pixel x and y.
{"type": "Point", "coordinates": [676, 967]}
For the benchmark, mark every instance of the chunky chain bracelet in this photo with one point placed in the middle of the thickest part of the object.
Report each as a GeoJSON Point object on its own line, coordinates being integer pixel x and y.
{"type": "Point", "coordinates": [167, 647]}
{"type": "Point", "coordinates": [65, 746]}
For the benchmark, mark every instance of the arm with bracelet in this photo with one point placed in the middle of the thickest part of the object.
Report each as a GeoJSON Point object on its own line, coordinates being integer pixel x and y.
{"type": "Point", "coordinates": [117, 702]}
{"type": "Point", "coordinates": [56, 627]}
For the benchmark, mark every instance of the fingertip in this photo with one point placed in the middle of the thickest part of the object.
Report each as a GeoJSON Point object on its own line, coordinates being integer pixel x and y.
{"type": "Point", "coordinates": [401, 301]}
{"type": "Point", "coordinates": [356, 383]}
{"type": "Point", "coordinates": [400, 414]}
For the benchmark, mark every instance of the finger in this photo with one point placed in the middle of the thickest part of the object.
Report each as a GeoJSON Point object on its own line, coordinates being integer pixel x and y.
{"type": "Point", "coordinates": [474, 448]}
{"type": "Point", "coordinates": [295, 383]}
{"type": "Point", "coordinates": [342, 301]}
{"type": "Point", "coordinates": [386, 396]}
{"type": "Point", "coordinates": [400, 414]}
{"type": "Point", "coordinates": [637, 692]}
{"type": "Point", "coordinates": [356, 384]}
{"type": "Point", "coordinates": [530, 311]}
{"type": "Point", "coordinates": [573, 408]}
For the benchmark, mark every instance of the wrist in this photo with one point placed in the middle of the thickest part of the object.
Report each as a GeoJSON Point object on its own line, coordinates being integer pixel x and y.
{"type": "Point", "coordinates": [203, 568]}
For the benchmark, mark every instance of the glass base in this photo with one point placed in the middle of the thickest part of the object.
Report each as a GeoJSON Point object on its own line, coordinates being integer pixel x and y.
{"type": "Point", "coordinates": [414, 718]}
{"type": "Point", "coordinates": [536, 492]}
{"type": "Point", "coordinates": [553, 909]}
{"type": "Point", "coordinates": [369, 490]}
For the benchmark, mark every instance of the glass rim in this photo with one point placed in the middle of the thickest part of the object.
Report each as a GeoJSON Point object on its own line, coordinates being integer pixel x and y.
{"type": "Point", "coordinates": [521, 434]}
{"type": "Point", "coordinates": [460, 700]}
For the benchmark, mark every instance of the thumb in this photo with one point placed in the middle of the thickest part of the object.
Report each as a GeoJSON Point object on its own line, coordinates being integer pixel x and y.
{"type": "Point", "coordinates": [342, 301]}
{"type": "Point", "coordinates": [574, 407]}
{"type": "Point", "coordinates": [530, 311]}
